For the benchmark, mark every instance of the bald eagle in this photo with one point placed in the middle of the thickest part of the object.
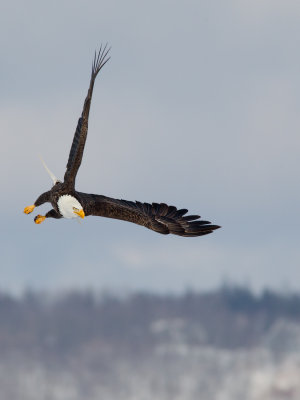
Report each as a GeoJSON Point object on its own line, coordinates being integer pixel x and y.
{"type": "Point", "coordinates": [69, 203]}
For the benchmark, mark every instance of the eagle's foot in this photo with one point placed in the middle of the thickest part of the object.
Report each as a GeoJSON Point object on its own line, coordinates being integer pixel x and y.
{"type": "Point", "coordinates": [39, 219]}
{"type": "Point", "coordinates": [29, 209]}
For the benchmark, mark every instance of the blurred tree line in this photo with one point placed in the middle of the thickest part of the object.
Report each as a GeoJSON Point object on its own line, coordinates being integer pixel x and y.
{"type": "Point", "coordinates": [230, 318]}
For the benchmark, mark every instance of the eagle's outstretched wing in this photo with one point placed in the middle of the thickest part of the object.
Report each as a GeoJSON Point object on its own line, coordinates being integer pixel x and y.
{"type": "Point", "coordinates": [158, 217]}
{"type": "Point", "coordinates": [79, 139]}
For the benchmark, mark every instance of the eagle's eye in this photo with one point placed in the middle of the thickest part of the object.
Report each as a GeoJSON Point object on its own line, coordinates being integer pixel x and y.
{"type": "Point", "coordinates": [75, 209]}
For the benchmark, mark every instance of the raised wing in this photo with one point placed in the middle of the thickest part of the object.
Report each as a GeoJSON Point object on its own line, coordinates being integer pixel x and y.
{"type": "Point", "coordinates": [160, 218]}
{"type": "Point", "coordinates": [80, 135]}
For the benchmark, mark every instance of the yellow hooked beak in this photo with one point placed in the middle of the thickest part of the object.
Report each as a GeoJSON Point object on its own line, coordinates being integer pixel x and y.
{"type": "Point", "coordinates": [80, 213]}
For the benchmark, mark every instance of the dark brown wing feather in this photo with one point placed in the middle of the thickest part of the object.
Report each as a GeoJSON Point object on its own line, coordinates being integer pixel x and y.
{"type": "Point", "coordinates": [80, 135]}
{"type": "Point", "coordinates": [158, 217]}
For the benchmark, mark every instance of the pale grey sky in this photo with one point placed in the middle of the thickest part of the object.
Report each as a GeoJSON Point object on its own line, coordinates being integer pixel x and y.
{"type": "Point", "coordinates": [198, 107]}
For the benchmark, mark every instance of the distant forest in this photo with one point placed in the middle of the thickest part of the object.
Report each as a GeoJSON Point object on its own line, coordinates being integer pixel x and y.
{"type": "Point", "coordinates": [135, 324]}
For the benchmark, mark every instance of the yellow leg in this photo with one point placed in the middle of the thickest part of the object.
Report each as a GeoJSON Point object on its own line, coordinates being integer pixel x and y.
{"type": "Point", "coordinates": [29, 209]}
{"type": "Point", "coordinates": [39, 219]}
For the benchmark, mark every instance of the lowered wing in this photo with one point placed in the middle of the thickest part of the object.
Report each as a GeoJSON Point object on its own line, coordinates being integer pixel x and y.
{"type": "Point", "coordinates": [160, 218]}
{"type": "Point", "coordinates": [80, 135]}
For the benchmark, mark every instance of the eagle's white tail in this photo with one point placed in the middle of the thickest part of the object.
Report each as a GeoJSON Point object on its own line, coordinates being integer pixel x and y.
{"type": "Point", "coordinates": [52, 176]}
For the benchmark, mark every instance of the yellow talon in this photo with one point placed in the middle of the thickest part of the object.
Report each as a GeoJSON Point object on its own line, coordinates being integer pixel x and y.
{"type": "Point", "coordinates": [29, 209]}
{"type": "Point", "coordinates": [39, 219]}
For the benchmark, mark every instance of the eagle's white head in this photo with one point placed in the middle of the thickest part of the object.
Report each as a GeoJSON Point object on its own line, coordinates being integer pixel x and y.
{"type": "Point", "coordinates": [69, 207]}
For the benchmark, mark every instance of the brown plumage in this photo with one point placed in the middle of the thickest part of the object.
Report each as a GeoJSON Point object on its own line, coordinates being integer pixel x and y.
{"type": "Point", "coordinates": [80, 135]}
{"type": "Point", "coordinates": [158, 217]}
{"type": "Point", "coordinates": [69, 203]}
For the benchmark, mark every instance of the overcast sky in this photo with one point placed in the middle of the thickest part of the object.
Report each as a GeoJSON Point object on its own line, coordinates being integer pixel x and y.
{"type": "Point", "coordinates": [198, 107]}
